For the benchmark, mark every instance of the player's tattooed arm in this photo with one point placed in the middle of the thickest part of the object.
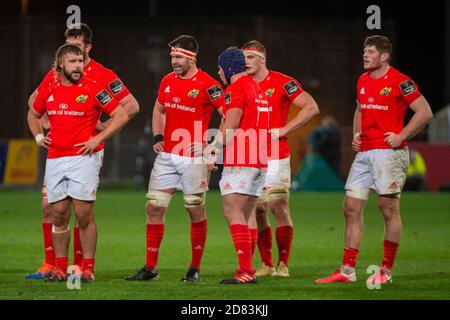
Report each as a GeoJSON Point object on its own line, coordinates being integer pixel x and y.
{"type": "Point", "coordinates": [422, 116]}
{"type": "Point", "coordinates": [308, 110]}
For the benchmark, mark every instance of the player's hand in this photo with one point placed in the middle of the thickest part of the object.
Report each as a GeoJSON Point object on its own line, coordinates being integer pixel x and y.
{"type": "Point", "coordinates": [158, 147]}
{"type": "Point", "coordinates": [88, 147]}
{"type": "Point", "coordinates": [356, 143]}
{"type": "Point", "coordinates": [210, 158]}
{"type": "Point", "coordinates": [277, 133]}
{"type": "Point", "coordinates": [197, 149]}
{"type": "Point", "coordinates": [393, 140]}
{"type": "Point", "coordinates": [46, 142]}
{"type": "Point", "coordinates": [212, 167]}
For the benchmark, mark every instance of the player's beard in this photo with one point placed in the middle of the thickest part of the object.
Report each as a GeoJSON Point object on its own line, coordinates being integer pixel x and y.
{"type": "Point", "coordinates": [181, 69]}
{"type": "Point", "coordinates": [69, 75]}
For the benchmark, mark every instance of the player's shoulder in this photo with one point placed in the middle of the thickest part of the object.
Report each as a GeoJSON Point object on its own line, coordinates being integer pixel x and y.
{"type": "Point", "coordinates": [96, 67]}
{"type": "Point", "coordinates": [279, 76]}
{"type": "Point", "coordinates": [50, 73]}
{"type": "Point", "coordinates": [364, 76]}
{"type": "Point", "coordinates": [90, 85]}
{"type": "Point", "coordinates": [206, 77]}
{"type": "Point", "coordinates": [169, 77]}
{"type": "Point", "coordinates": [95, 90]}
{"type": "Point", "coordinates": [397, 75]}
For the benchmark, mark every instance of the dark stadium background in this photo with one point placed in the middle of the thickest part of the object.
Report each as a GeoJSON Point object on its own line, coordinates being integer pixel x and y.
{"type": "Point", "coordinates": [318, 42]}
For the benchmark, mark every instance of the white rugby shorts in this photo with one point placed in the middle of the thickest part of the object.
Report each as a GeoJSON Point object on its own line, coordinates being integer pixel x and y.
{"type": "Point", "coordinates": [278, 173]}
{"type": "Point", "coordinates": [382, 170]}
{"type": "Point", "coordinates": [243, 180]}
{"type": "Point", "coordinates": [184, 173]}
{"type": "Point", "coordinates": [75, 176]}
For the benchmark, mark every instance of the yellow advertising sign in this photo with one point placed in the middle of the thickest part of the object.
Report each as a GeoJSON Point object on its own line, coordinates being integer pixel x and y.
{"type": "Point", "coordinates": [21, 162]}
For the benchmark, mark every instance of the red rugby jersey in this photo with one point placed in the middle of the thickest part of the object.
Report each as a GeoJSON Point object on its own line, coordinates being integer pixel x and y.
{"type": "Point", "coordinates": [250, 144]}
{"type": "Point", "coordinates": [98, 73]}
{"type": "Point", "coordinates": [73, 112]}
{"type": "Point", "coordinates": [383, 104]}
{"type": "Point", "coordinates": [189, 105]}
{"type": "Point", "coordinates": [280, 90]}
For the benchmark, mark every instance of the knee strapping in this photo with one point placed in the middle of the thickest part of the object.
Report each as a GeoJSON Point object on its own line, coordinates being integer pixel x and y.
{"type": "Point", "coordinates": [264, 197]}
{"type": "Point", "coordinates": [194, 200]}
{"type": "Point", "coordinates": [60, 229]}
{"type": "Point", "coordinates": [278, 193]}
{"type": "Point", "coordinates": [158, 198]}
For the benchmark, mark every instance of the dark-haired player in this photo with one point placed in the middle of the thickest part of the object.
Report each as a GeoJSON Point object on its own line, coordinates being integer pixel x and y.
{"type": "Point", "coordinates": [187, 98]}
{"type": "Point", "coordinates": [381, 163]}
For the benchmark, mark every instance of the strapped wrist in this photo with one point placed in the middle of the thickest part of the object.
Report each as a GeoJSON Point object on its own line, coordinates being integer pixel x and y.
{"type": "Point", "coordinates": [39, 137]}
{"type": "Point", "coordinates": [158, 138]}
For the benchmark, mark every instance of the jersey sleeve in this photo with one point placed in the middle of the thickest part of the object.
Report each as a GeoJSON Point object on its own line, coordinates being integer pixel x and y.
{"type": "Point", "coordinates": [215, 94]}
{"type": "Point", "coordinates": [161, 89]}
{"type": "Point", "coordinates": [291, 88]}
{"type": "Point", "coordinates": [47, 81]}
{"type": "Point", "coordinates": [358, 89]}
{"type": "Point", "coordinates": [40, 102]}
{"type": "Point", "coordinates": [104, 100]}
{"type": "Point", "coordinates": [409, 91]}
{"type": "Point", "coordinates": [115, 84]}
{"type": "Point", "coordinates": [234, 99]}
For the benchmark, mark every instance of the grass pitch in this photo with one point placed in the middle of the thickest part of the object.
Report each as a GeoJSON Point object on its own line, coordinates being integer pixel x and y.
{"type": "Point", "coordinates": [422, 270]}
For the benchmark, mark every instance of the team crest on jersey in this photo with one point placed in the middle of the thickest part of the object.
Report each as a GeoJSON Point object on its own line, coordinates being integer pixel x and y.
{"type": "Point", "coordinates": [81, 98]}
{"type": "Point", "coordinates": [385, 91]}
{"type": "Point", "coordinates": [193, 93]}
{"type": "Point", "coordinates": [269, 92]}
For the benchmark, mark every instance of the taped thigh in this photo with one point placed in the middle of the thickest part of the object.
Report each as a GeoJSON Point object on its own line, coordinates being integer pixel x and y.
{"type": "Point", "coordinates": [159, 198]}
{"type": "Point", "coordinates": [362, 194]}
{"type": "Point", "coordinates": [276, 193]}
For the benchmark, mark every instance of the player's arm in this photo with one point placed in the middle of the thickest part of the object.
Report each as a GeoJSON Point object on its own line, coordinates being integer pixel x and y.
{"type": "Point", "coordinates": [35, 125]}
{"type": "Point", "coordinates": [118, 119]}
{"type": "Point", "coordinates": [308, 110]}
{"type": "Point", "coordinates": [225, 135]}
{"type": "Point", "coordinates": [158, 125]}
{"type": "Point", "coordinates": [44, 119]}
{"type": "Point", "coordinates": [422, 116]}
{"type": "Point", "coordinates": [229, 125]}
{"type": "Point", "coordinates": [356, 142]}
{"type": "Point", "coordinates": [129, 104]}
